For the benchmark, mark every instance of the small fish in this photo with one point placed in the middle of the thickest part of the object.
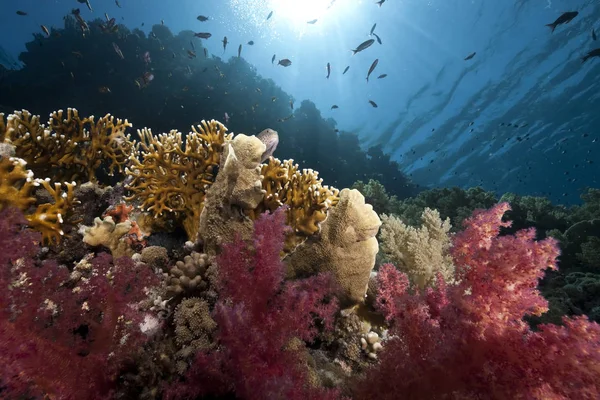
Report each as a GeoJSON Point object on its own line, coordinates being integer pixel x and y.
{"type": "Point", "coordinates": [104, 89]}
{"type": "Point", "coordinates": [594, 34]}
{"type": "Point", "coordinates": [593, 53]}
{"type": "Point", "coordinates": [224, 43]}
{"type": "Point", "coordinates": [22, 13]}
{"type": "Point", "coordinates": [286, 118]}
{"type": "Point", "coordinates": [470, 56]}
{"type": "Point", "coordinates": [251, 43]}
{"type": "Point", "coordinates": [373, 29]}
{"type": "Point", "coordinates": [226, 117]}
{"type": "Point", "coordinates": [258, 90]}
{"type": "Point", "coordinates": [106, 16]}
{"type": "Point", "coordinates": [381, 76]}
{"type": "Point", "coordinates": [373, 103]}
{"type": "Point", "coordinates": [239, 51]}
{"type": "Point", "coordinates": [269, 16]}
{"type": "Point", "coordinates": [363, 46]}
{"type": "Point", "coordinates": [273, 99]}
{"type": "Point", "coordinates": [377, 37]}
{"type": "Point", "coordinates": [146, 57]}
{"type": "Point", "coordinates": [205, 53]}
{"type": "Point", "coordinates": [372, 68]}
{"type": "Point", "coordinates": [117, 3]}
{"type": "Point", "coordinates": [285, 62]}
{"type": "Point", "coordinates": [312, 21]}
{"type": "Point", "coordinates": [333, 107]}
{"type": "Point", "coordinates": [192, 44]}
{"type": "Point", "coordinates": [380, 2]}
{"type": "Point", "coordinates": [77, 54]}
{"type": "Point", "coordinates": [565, 18]}
{"type": "Point", "coordinates": [292, 104]}
{"type": "Point", "coordinates": [273, 59]}
{"type": "Point", "coordinates": [46, 31]}
{"type": "Point", "coordinates": [191, 54]}
{"type": "Point", "coordinates": [328, 70]}
{"type": "Point", "coordinates": [346, 70]}
{"type": "Point", "coordinates": [202, 18]}
{"type": "Point", "coordinates": [203, 35]}
{"type": "Point", "coordinates": [118, 50]}
{"type": "Point", "coordinates": [87, 3]}
{"type": "Point", "coordinates": [162, 21]}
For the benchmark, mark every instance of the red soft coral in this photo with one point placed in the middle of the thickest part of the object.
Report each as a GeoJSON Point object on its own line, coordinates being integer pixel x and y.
{"type": "Point", "coordinates": [469, 341]}
{"type": "Point", "coordinates": [60, 340]}
{"type": "Point", "coordinates": [259, 317]}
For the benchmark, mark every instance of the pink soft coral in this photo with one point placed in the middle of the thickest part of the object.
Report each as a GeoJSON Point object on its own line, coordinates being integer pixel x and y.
{"type": "Point", "coordinates": [57, 339]}
{"type": "Point", "coordinates": [259, 317]}
{"type": "Point", "coordinates": [469, 341]}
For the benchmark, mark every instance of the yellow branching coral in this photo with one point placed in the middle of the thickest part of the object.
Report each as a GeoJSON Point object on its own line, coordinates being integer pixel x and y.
{"type": "Point", "coordinates": [171, 177]}
{"type": "Point", "coordinates": [419, 252]}
{"type": "Point", "coordinates": [70, 148]}
{"type": "Point", "coordinates": [16, 187]}
{"type": "Point", "coordinates": [302, 191]}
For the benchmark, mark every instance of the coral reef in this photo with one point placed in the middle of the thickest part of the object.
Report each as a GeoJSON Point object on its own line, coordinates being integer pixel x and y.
{"type": "Point", "coordinates": [17, 188]}
{"type": "Point", "coordinates": [307, 200]}
{"type": "Point", "coordinates": [346, 246]}
{"type": "Point", "coordinates": [421, 253]}
{"type": "Point", "coordinates": [70, 148]}
{"type": "Point", "coordinates": [171, 178]}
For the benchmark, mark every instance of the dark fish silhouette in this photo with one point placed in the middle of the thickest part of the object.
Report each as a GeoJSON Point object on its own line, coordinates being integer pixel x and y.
{"type": "Point", "coordinates": [203, 35]}
{"type": "Point", "coordinates": [565, 18]}
{"type": "Point", "coordinates": [381, 76]}
{"type": "Point", "coordinates": [377, 37]}
{"type": "Point", "coordinates": [372, 29]}
{"type": "Point", "coordinates": [273, 59]}
{"type": "Point", "coordinates": [363, 45]}
{"type": "Point", "coordinates": [470, 56]}
{"type": "Point", "coordinates": [328, 70]}
{"type": "Point", "coordinates": [239, 51]}
{"type": "Point", "coordinates": [346, 70]}
{"type": "Point", "coordinates": [270, 15]}
{"type": "Point", "coordinates": [373, 103]}
{"type": "Point", "coordinates": [333, 107]}
{"type": "Point", "coordinates": [117, 3]}
{"type": "Point", "coordinates": [224, 43]}
{"type": "Point", "coordinates": [312, 21]}
{"type": "Point", "coordinates": [380, 2]}
{"type": "Point", "coordinates": [202, 18]}
{"type": "Point", "coordinates": [594, 34]}
{"type": "Point", "coordinates": [251, 43]}
{"type": "Point", "coordinates": [372, 68]}
{"type": "Point", "coordinates": [591, 54]}
{"type": "Point", "coordinates": [21, 13]}
{"type": "Point", "coordinates": [285, 62]}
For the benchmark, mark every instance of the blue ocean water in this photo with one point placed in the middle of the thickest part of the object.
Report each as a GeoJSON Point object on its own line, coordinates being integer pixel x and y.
{"type": "Point", "coordinates": [521, 115]}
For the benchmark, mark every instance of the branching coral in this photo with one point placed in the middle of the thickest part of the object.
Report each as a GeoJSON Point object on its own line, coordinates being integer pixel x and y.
{"type": "Point", "coordinates": [302, 191]}
{"type": "Point", "coordinates": [16, 190]}
{"type": "Point", "coordinates": [70, 148]}
{"type": "Point", "coordinates": [421, 253]}
{"type": "Point", "coordinates": [170, 177]}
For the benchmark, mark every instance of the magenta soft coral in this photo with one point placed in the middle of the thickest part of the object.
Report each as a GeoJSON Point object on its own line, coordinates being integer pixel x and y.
{"type": "Point", "coordinates": [60, 342]}
{"type": "Point", "coordinates": [259, 316]}
{"type": "Point", "coordinates": [469, 341]}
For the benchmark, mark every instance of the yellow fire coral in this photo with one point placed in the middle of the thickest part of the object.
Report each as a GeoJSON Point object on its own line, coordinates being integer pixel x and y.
{"type": "Point", "coordinates": [70, 148]}
{"type": "Point", "coordinates": [302, 192]}
{"type": "Point", "coordinates": [16, 187]}
{"type": "Point", "coordinates": [168, 177]}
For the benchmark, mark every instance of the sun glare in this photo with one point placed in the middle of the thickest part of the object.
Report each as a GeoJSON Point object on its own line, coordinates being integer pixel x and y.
{"type": "Point", "coordinates": [299, 12]}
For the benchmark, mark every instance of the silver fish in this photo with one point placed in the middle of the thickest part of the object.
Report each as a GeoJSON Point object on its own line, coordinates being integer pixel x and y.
{"type": "Point", "coordinates": [363, 45]}
{"type": "Point", "coordinates": [372, 68]}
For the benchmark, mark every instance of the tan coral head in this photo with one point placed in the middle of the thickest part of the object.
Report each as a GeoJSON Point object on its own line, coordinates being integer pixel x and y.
{"type": "Point", "coordinates": [271, 139]}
